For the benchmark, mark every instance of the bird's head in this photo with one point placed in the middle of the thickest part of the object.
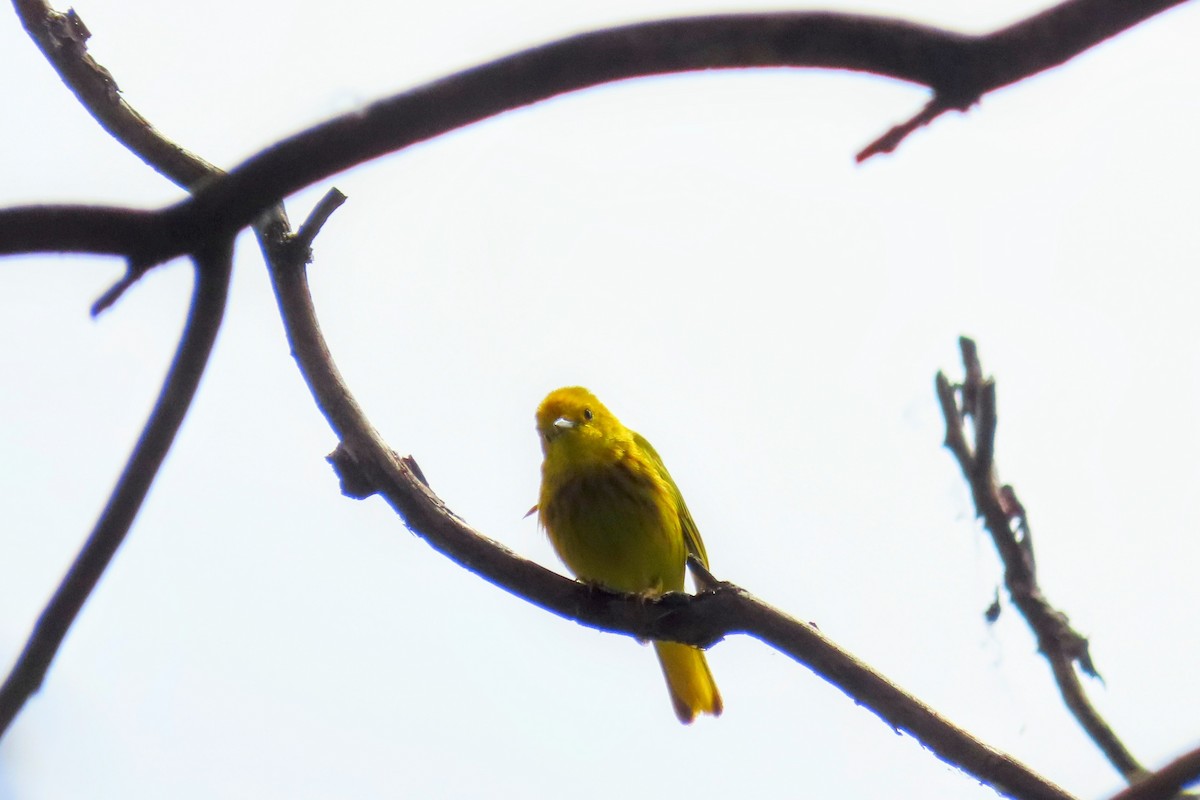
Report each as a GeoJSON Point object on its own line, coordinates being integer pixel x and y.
{"type": "Point", "coordinates": [572, 420]}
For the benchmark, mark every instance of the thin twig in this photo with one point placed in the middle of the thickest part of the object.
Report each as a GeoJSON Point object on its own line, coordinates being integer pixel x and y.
{"type": "Point", "coordinates": [322, 211]}
{"type": "Point", "coordinates": [889, 141]}
{"type": "Point", "coordinates": [179, 387]}
{"type": "Point", "coordinates": [1007, 522]}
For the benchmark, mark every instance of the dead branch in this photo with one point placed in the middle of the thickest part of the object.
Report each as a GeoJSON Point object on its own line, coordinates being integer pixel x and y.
{"type": "Point", "coordinates": [1008, 524]}
{"type": "Point", "coordinates": [204, 320]}
{"type": "Point", "coordinates": [701, 620]}
{"type": "Point", "coordinates": [958, 68]}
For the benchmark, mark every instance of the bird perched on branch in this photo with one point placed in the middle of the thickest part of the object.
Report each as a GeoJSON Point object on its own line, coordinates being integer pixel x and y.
{"type": "Point", "coordinates": [618, 520]}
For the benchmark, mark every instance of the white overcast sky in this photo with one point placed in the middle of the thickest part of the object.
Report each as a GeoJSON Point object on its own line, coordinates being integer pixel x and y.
{"type": "Point", "coordinates": [703, 253]}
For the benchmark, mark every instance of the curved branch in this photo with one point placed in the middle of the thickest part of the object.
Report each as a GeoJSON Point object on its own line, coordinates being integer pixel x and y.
{"type": "Point", "coordinates": [1008, 524]}
{"type": "Point", "coordinates": [700, 620]}
{"type": "Point", "coordinates": [179, 387]}
{"type": "Point", "coordinates": [62, 38]}
{"type": "Point", "coordinates": [954, 65]}
{"type": "Point", "coordinates": [958, 67]}
{"type": "Point", "coordinates": [103, 230]}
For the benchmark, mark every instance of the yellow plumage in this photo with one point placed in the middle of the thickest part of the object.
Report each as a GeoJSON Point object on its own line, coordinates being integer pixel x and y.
{"type": "Point", "coordinates": [617, 519]}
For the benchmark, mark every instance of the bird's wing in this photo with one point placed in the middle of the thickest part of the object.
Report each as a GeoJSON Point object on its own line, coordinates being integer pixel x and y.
{"type": "Point", "coordinates": [691, 534]}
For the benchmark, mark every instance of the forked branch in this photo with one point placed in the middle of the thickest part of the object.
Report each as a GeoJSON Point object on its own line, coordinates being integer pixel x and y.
{"type": "Point", "coordinates": [971, 406]}
{"type": "Point", "coordinates": [958, 68]}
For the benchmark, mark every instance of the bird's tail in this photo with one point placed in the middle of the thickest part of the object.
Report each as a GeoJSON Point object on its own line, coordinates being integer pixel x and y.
{"type": "Point", "coordinates": [689, 680]}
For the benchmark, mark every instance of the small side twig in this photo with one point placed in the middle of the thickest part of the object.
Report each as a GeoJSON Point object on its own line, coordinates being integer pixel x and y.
{"type": "Point", "coordinates": [893, 138]}
{"type": "Point", "coordinates": [1006, 520]}
{"type": "Point", "coordinates": [113, 293]}
{"type": "Point", "coordinates": [322, 211]}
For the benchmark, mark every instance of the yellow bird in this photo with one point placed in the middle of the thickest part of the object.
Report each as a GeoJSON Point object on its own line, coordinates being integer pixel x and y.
{"type": "Point", "coordinates": [617, 519]}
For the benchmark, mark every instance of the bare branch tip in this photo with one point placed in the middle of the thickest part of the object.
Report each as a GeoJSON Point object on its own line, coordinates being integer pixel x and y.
{"type": "Point", "coordinates": [321, 213]}
{"type": "Point", "coordinates": [114, 292]}
{"type": "Point", "coordinates": [970, 351]}
{"type": "Point", "coordinates": [945, 389]}
{"type": "Point", "coordinates": [889, 141]}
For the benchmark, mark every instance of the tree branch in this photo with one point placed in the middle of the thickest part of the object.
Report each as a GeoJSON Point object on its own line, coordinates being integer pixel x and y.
{"type": "Point", "coordinates": [1166, 782]}
{"type": "Point", "coordinates": [1008, 524]}
{"type": "Point", "coordinates": [322, 211]}
{"type": "Point", "coordinates": [701, 620]}
{"type": "Point", "coordinates": [204, 320]}
{"type": "Point", "coordinates": [958, 67]}
{"type": "Point", "coordinates": [888, 142]}
{"type": "Point", "coordinates": [62, 40]}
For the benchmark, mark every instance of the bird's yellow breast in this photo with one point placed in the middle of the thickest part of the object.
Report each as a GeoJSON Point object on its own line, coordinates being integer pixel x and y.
{"type": "Point", "coordinates": [617, 525]}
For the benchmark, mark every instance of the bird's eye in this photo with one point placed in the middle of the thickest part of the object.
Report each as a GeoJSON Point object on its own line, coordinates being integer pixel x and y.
{"type": "Point", "coordinates": [587, 413]}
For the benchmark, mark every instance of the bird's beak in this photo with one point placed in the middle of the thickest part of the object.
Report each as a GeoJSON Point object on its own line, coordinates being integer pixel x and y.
{"type": "Point", "coordinates": [557, 427]}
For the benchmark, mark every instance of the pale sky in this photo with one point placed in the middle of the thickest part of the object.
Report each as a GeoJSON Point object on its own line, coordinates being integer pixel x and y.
{"type": "Point", "coordinates": [704, 254]}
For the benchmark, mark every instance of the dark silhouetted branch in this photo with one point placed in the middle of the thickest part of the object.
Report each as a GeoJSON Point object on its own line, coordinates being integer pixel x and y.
{"type": "Point", "coordinates": [1008, 524]}
{"type": "Point", "coordinates": [1167, 782]}
{"type": "Point", "coordinates": [103, 230]}
{"type": "Point", "coordinates": [329, 203]}
{"type": "Point", "coordinates": [62, 38]}
{"type": "Point", "coordinates": [892, 139]}
{"type": "Point", "coordinates": [179, 387]}
{"type": "Point", "coordinates": [366, 463]}
{"type": "Point", "coordinates": [958, 67]}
